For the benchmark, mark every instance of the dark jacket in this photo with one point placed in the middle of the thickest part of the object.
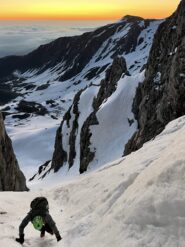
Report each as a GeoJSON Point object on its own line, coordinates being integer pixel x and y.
{"type": "Point", "coordinates": [46, 217]}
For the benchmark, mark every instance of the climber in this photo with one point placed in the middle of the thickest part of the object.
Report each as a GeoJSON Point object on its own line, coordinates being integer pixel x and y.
{"type": "Point", "coordinates": [40, 218]}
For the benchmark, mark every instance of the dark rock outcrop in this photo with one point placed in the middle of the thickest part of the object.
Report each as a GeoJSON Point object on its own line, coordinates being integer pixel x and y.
{"type": "Point", "coordinates": [31, 107]}
{"type": "Point", "coordinates": [43, 87]}
{"type": "Point", "coordinates": [59, 155]}
{"type": "Point", "coordinates": [21, 116]}
{"type": "Point", "coordinates": [42, 170]}
{"type": "Point", "coordinates": [161, 97]}
{"type": "Point", "coordinates": [6, 94]}
{"type": "Point", "coordinates": [72, 137]}
{"type": "Point", "coordinates": [11, 178]}
{"type": "Point", "coordinates": [86, 154]}
{"type": "Point", "coordinates": [109, 84]}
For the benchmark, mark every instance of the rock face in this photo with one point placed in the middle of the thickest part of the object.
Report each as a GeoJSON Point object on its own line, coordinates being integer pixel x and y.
{"type": "Point", "coordinates": [11, 178]}
{"type": "Point", "coordinates": [161, 97]}
{"type": "Point", "coordinates": [60, 156]}
{"type": "Point", "coordinates": [31, 107]}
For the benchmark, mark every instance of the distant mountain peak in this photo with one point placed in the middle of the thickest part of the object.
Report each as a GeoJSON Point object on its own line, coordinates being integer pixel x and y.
{"type": "Point", "coordinates": [131, 18]}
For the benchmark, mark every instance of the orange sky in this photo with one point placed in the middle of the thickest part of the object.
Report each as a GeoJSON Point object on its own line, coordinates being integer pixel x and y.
{"type": "Point", "coordinates": [84, 9]}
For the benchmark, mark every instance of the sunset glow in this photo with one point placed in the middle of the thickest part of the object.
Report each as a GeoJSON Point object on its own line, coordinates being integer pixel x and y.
{"type": "Point", "coordinates": [84, 9]}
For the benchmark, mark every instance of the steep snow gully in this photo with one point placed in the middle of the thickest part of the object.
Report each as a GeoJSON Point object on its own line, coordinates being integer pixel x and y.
{"type": "Point", "coordinates": [136, 201]}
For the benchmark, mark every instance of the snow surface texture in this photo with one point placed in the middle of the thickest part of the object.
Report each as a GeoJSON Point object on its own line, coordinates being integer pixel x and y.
{"type": "Point", "coordinates": [137, 201]}
{"type": "Point", "coordinates": [33, 138]}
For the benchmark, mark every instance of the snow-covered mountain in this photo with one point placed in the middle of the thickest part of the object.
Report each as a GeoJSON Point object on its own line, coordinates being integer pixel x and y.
{"type": "Point", "coordinates": [39, 88]}
{"type": "Point", "coordinates": [100, 126]}
{"type": "Point", "coordinates": [136, 201]}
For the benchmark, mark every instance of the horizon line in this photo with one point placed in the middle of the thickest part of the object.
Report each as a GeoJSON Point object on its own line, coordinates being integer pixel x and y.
{"type": "Point", "coordinates": [78, 19]}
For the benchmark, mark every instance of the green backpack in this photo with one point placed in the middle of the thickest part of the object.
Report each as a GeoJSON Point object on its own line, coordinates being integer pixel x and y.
{"type": "Point", "coordinates": [38, 222]}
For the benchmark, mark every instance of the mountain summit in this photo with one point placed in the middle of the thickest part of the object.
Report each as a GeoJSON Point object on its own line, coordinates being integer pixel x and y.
{"type": "Point", "coordinates": [131, 18]}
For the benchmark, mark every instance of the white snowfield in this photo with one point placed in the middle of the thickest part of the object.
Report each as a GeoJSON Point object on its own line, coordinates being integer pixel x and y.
{"type": "Point", "coordinates": [137, 201]}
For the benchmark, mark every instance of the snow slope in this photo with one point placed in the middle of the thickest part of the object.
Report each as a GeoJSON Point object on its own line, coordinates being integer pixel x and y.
{"type": "Point", "coordinates": [33, 142]}
{"type": "Point", "coordinates": [137, 201]}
